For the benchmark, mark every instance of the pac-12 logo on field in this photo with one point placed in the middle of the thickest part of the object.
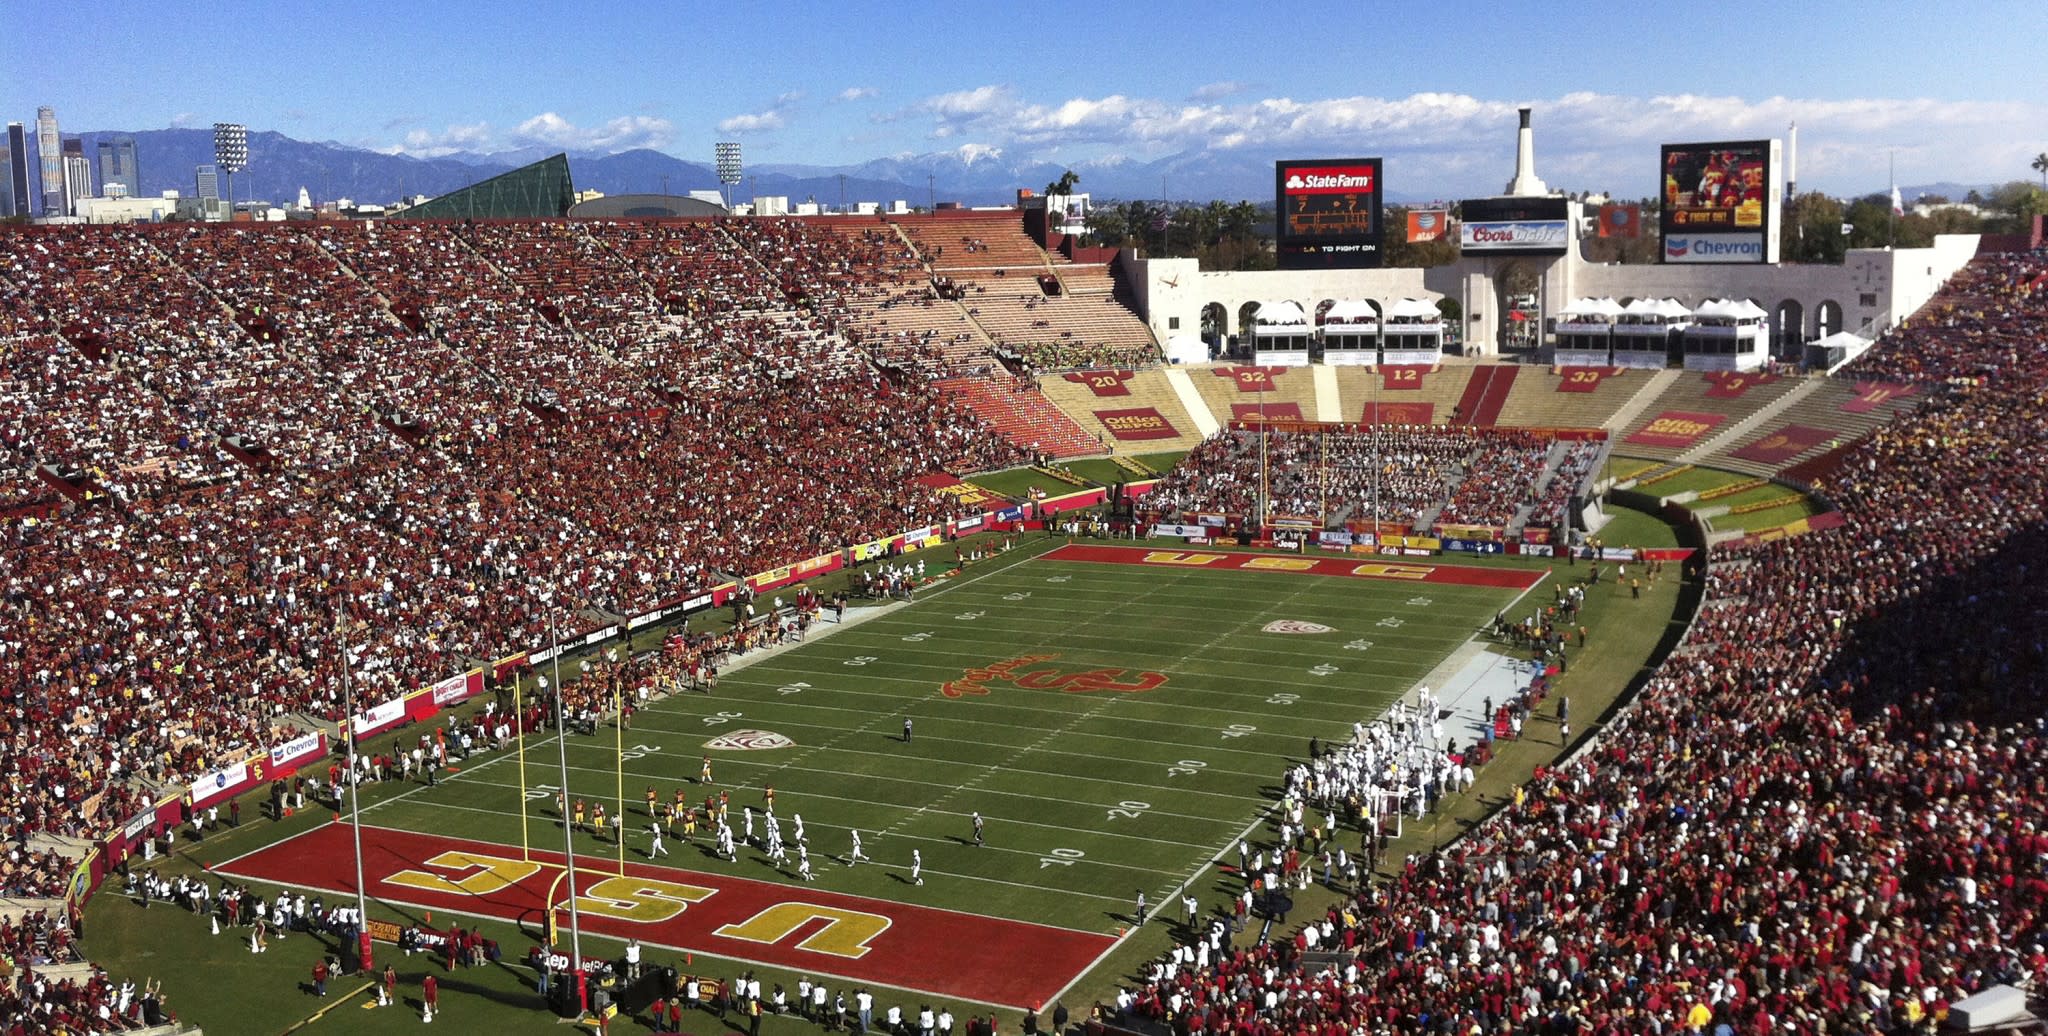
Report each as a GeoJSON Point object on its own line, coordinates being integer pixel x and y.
{"type": "Point", "coordinates": [1296, 626]}
{"type": "Point", "coordinates": [749, 741]}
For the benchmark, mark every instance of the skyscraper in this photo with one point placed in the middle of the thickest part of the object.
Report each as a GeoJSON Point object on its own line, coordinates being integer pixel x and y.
{"type": "Point", "coordinates": [206, 182]}
{"type": "Point", "coordinates": [117, 166]}
{"type": "Point", "coordinates": [17, 170]}
{"type": "Point", "coordinates": [77, 175]}
{"type": "Point", "coordinates": [50, 156]}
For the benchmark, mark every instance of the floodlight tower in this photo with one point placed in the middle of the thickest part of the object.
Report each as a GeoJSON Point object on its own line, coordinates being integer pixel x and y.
{"type": "Point", "coordinates": [231, 153]}
{"type": "Point", "coordinates": [728, 156]}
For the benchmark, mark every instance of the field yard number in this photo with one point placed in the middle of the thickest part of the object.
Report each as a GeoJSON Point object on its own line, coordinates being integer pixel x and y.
{"type": "Point", "coordinates": [493, 874]}
{"type": "Point", "coordinates": [970, 616]}
{"type": "Point", "coordinates": [541, 791]}
{"type": "Point", "coordinates": [1128, 809]}
{"type": "Point", "coordinates": [1391, 622]}
{"type": "Point", "coordinates": [1186, 767]}
{"type": "Point", "coordinates": [793, 688]}
{"type": "Point", "coordinates": [642, 751]}
{"type": "Point", "coordinates": [646, 900]}
{"type": "Point", "coordinates": [1325, 669]}
{"type": "Point", "coordinates": [1419, 602]}
{"type": "Point", "coordinates": [1063, 857]}
{"type": "Point", "coordinates": [1284, 698]}
{"type": "Point", "coordinates": [860, 660]}
{"type": "Point", "coordinates": [1359, 645]}
{"type": "Point", "coordinates": [918, 637]}
{"type": "Point", "coordinates": [722, 719]}
{"type": "Point", "coordinates": [1020, 595]}
{"type": "Point", "coordinates": [1239, 730]}
{"type": "Point", "coordinates": [1057, 579]}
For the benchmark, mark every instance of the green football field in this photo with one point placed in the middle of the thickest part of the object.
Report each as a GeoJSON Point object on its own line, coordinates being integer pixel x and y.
{"type": "Point", "coordinates": [1088, 796]}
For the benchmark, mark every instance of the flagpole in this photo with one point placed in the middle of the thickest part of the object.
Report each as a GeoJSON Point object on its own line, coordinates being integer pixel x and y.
{"type": "Point", "coordinates": [1893, 175]}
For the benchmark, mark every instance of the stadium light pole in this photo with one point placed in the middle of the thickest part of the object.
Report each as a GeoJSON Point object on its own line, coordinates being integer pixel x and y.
{"type": "Point", "coordinates": [568, 833]}
{"type": "Point", "coordinates": [355, 798]}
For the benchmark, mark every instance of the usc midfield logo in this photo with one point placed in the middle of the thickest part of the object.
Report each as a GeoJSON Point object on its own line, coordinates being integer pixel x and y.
{"type": "Point", "coordinates": [1022, 672]}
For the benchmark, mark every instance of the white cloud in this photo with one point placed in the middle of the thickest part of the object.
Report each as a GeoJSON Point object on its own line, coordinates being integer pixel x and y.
{"type": "Point", "coordinates": [619, 134]}
{"type": "Point", "coordinates": [1599, 140]}
{"type": "Point", "coordinates": [756, 122]}
{"type": "Point", "coordinates": [858, 93]}
{"type": "Point", "coordinates": [422, 143]}
{"type": "Point", "coordinates": [184, 119]}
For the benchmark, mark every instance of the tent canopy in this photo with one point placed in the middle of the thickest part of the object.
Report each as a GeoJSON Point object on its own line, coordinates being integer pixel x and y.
{"type": "Point", "coordinates": [1411, 310]}
{"type": "Point", "coordinates": [1351, 311]}
{"type": "Point", "coordinates": [1282, 312]}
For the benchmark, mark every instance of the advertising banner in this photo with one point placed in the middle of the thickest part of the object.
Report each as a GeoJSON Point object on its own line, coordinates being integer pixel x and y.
{"type": "Point", "coordinates": [1178, 531]}
{"type": "Point", "coordinates": [1534, 235]}
{"type": "Point", "coordinates": [379, 719]}
{"type": "Point", "coordinates": [220, 782]}
{"type": "Point", "coordinates": [1138, 423]}
{"type": "Point", "coordinates": [1537, 550]}
{"type": "Point", "coordinates": [289, 756]}
{"type": "Point", "coordinates": [1334, 539]}
{"type": "Point", "coordinates": [1458, 546]}
{"type": "Point", "coordinates": [1292, 522]}
{"type": "Point", "coordinates": [1427, 225]}
{"type": "Point", "coordinates": [1514, 226]}
{"type": "Point", "coordinates": [1714, 248]}
{"type": "Point", "coordinates": [457, 689]}
{"type": "Point", "coordinates": [1621, 220]}
{"type": "Point", "coordinates": [1328, 213]}
{"type": "Point", "coordinates": [1676, 428]}
{"type": "Point", "coordinates": [1783, 445]}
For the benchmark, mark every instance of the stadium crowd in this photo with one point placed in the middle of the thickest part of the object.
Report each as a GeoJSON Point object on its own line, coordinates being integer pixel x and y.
{"type": "Point", "coordinates": [1822, 815]}
{"type": "Point", "coordinates": [1412, 475]}
{"type": "Point", "coordinates": [437, 437]}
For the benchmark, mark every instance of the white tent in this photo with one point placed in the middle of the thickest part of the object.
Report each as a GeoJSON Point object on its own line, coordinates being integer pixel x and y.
{"type": "Point", "coordinates": [1410, 310]}
{"type": "Point", "coordinates": [1278, 313]}
{"type": "Point", "coordinates": [1186, 348]}
{"type": "Point", "coordinates": [1596, 309]}
{"type": "Point", "coordinates": [1732, 310]}
{"type": "Point", "coordinates": [1351, 311]}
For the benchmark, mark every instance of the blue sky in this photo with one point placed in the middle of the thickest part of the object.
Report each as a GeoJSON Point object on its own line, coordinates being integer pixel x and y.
{"type": "Point", "coordinates": [1432, 86]}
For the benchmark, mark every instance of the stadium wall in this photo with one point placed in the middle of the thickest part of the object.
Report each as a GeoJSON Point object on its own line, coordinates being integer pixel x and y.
{"type": "Point", "coordinates": [1177, 290]}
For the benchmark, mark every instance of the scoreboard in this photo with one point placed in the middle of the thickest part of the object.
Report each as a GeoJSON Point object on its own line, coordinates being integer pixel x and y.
{"type": "Point", "coordinates": [1329, 213]}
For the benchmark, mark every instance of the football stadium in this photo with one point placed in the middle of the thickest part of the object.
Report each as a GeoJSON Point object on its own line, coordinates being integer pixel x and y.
{"type": "Point", "coordinates": [505, 618]}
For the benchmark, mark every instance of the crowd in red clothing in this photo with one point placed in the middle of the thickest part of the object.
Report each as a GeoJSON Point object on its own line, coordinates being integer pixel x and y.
{"type": "Point", "coordinates": [1822, 815]}
{"type": "Point", "coordinates": [434, 435]}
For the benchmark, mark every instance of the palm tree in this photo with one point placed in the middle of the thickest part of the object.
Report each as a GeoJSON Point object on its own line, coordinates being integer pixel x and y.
{"type": "Point", "coordinates": [2040, 165]}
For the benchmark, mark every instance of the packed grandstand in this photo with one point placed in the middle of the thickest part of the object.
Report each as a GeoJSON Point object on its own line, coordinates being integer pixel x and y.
{"type": "Point", "coordinates": [465, 440]}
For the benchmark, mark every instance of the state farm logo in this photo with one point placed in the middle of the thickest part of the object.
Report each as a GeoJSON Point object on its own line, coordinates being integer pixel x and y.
{"type": "Point", "coordinates": [749, 741]}
{"type": "Point", "coordinates": [1342, 180]}
{"type": "Point", "coordinates": [1296, 626]}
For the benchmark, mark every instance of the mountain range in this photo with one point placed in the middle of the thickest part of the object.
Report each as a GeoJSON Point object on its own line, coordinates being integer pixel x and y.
{"type": "Point", "coordinates": [279, 166]}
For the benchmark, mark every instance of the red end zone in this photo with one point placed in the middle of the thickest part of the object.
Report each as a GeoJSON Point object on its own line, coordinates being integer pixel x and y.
{"type": "Point", "coordinates": [991, 960]}
{"type": "Point", "coordinates": [1457, 575]}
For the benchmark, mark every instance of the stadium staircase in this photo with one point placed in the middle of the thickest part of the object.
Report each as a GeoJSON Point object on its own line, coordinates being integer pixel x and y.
{"type": "Point", "coordinates": [1220, 394]}
{"type": "Point", "coordinates": [1822, 408]}
{"type": "Point", "coordinates": [1486, 393]}
{"type": "Point", "coordinates": [1559, 450]}
{"type": "Point", "coordinates": [1654, 386]}
{"type": "Point", "coordinates": [1025, 417]}
{"type": "Point", "coordinates": [1724, 441]}
{"type": "Point", "coordinates": [1359, 387]}
{"type": "Point", "coordinates": [1147, 389]}
{"type": "Point", "coordinates": [1537, 402]}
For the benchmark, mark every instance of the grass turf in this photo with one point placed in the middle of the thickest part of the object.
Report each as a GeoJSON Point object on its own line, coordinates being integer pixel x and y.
{"type": "Point", "coordinates": [1106, 780]}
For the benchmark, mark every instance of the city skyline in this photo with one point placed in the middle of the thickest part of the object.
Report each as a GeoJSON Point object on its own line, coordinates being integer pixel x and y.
{"type": "Point", "coordinates": [1431, 88]}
